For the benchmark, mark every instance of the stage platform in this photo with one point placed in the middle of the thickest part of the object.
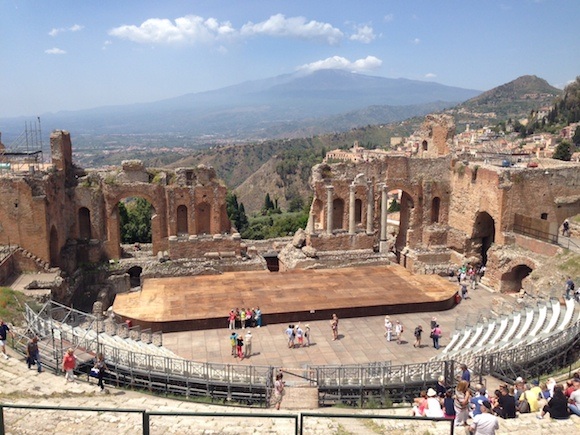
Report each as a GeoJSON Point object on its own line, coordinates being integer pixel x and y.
{"type": "Point", "coordinates": [203, 302]}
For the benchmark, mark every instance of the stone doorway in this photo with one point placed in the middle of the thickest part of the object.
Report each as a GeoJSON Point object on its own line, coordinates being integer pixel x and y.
{"type": "Point", "coordinates": [135, 276]}
{"type": "Point", "coordinates": [407, 205]}
{"type": "Point", "coordinates": [484, 234]}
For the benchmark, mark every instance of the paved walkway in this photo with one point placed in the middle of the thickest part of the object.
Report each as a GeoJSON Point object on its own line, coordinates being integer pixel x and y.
{"type": "Point", "coordinates": [361, 340]}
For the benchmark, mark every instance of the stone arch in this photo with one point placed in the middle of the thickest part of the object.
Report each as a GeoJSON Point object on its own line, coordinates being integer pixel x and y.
{"type": "Point", "coordinates": [483, 233]}
{"type": "Point", "coordinates": [84, 223]}
{"type": "Point", "coordinates": [182, 220]}
{"type": "Point", "coordinates": [511, 281]}
{"type": "Point", "coordinates": [203, 218]}
{"type": "Point", "coordinates": [358, 207]}
{"type": "Point", "coordinates": [338, 214]}
{"type": "Point", "coordinates": [424, 145]}
{"type": "Point", "coordinates": [135, 276]}
{"type": "Point", "coordinates": [54, 247]}
{"type": "Point", "coordinates": [435, 209]}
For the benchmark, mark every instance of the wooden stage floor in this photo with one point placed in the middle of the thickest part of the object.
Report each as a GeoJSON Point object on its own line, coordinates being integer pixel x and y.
{"type": "Point", "coordinates": [203, 302]}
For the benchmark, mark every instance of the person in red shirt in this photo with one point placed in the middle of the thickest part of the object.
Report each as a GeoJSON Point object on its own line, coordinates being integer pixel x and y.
{"type": "Point", "coordinates": [69, 363]}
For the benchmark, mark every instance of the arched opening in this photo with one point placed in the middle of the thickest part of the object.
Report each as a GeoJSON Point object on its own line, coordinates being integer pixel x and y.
{"type": "Point", "coordinates": [435, 206]}
{"type": "Point", "coordinates": [135, 215]}
{"type": "Point", "coordinates": [512, 281]}
{"type": "Point", "coordinates": [484, 233]}
{"type": "Point", "coordinates": [337, 214]}
{"type": "Point", "coordinates": [182, 224]}
{"type": "Point", "coordinates": [424, 145]}
{"type": "Point", "coordinates": [203, 218]}
{"type": "Point", "coordinates": [357, 211]}
{"type": "Point", "coordinates": [54, 248]}
{"type": "Point", "coordinates": [135, 276]}
{"type": "Point", "coordinates": [406, 206]}
{"type": "Point", "coordinates": [84, 222]}
{"type": "Point", "coordinates": [318, 212]}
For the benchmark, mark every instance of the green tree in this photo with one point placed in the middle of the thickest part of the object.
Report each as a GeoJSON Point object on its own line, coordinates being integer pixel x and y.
{"type": "Point", "coordinates": [135, 216]}
{"type": "Point", "coordinates": [395, 206]}
{"type": "Point", "coordinates": [563, 151]}
{"type": "Point", "coordinates": [236, 212]}
{"type": "Point", "coordinates": [576, 137]}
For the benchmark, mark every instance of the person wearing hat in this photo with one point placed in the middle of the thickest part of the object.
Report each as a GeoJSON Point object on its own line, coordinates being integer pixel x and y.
{"type": "Point", "coordinates": [485, 423]}
{"type": "Point", "coordinates": [433, 406]}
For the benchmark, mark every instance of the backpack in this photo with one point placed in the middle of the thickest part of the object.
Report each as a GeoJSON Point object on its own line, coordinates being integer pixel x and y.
{"type": "Point", "coordinates": [524, 405]}
{"type": "Point", "coordinates": [572, 286]}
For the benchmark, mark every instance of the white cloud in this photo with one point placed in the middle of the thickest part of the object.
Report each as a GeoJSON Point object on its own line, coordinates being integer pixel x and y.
{"type": "Point", "coordinates": [339, 62]}
{"type": "Point", "coordinates": [73, 28]}
{"type": "Point", "coordinates": [189, 29]}
{"type": "Point", "coordinates": [430, 75]}
{"type": "Point", "coordinates": [294, 27]}
{"type": "Point", "coordinates": [106, 44]}
{"type": "Point", "coordinates": [364, 34]}
{"type": "Point", "coordinates": [389, 17]}
{"type": "Point", "coordinates": [416, 41]}
{"type": "Point", "coordinates": [54, 51]}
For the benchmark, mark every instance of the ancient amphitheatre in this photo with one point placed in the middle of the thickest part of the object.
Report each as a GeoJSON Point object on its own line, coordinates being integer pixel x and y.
{"type": "Point", "coordinates": [453, 211]}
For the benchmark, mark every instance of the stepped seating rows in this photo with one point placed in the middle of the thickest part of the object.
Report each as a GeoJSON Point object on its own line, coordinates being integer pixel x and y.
{"type": "Point", "coordinates": [520, 328]}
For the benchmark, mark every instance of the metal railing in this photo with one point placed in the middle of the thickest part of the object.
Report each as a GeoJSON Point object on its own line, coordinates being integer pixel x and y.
{"type": "Point", "coordinates": [536, 234]}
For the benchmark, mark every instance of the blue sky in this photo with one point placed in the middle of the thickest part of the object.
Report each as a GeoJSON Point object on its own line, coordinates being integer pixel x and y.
{"type": "Point", "coordinates": [72, 54]}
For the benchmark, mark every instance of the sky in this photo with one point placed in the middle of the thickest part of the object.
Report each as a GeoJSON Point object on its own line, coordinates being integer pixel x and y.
{"type": "Point", "coordinates": [77, 54]}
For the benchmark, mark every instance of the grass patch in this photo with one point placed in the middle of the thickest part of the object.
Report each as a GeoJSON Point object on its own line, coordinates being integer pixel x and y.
{"type": "Point", "coordinates": [12, 305]}
{"type": "Point", "coordinates": [570, 264]}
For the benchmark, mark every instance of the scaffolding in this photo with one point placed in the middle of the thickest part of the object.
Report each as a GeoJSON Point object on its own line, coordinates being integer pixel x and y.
{"type": "Point", "coordinates": [25, 153]}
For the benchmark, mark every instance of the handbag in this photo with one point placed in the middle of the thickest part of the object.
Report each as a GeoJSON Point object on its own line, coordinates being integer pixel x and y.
{"type": "Point", "coordinates": [94, 373]}
{"type": "Point", "coordinates": [524, 405]}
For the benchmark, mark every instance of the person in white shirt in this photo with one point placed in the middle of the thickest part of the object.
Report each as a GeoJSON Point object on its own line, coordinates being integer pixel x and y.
{"type": "Point", "coordinates": [433, 407]}
{"type": "Point", "coordinates": [485, 423]}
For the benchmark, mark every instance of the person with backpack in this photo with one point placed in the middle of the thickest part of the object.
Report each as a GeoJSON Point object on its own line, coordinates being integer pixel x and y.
{"type": "Point", "coordinates": [417, 333]}
{"type": "Point", "coordinates": [570, 286]}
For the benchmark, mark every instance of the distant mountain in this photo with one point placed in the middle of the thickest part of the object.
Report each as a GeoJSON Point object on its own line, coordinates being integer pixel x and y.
{"type": "Point", "coordinates": [274, 107]}
{"type": "Point", "coordinates": [512, 100]}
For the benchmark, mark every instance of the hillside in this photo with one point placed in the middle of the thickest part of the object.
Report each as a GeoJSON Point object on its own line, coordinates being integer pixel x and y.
{"type": "Point", "coordinates": [513, 100]}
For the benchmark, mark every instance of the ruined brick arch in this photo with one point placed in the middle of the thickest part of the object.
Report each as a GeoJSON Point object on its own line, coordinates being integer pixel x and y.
{"type": "Point", "coordinates": [358, 207]}
{"type": "Point", "coordinates": [435, 209]}
{"type": "Point", "coordinates": [203, 218]}
{"type": "Point", "coordinates": [338, 214]}
{"type": "Point", "coordinates": [84, 223]}
{"type": "Point", "coordinates": [407, 215]}
{"type": "Point", "coordinates": [513, 273]}
{"type": "Point", "coordinates": [483, 233]}
{"type": "Point", "coordinates": [182, 220]}
{"type": "Point", "coordinates": [318, 214]}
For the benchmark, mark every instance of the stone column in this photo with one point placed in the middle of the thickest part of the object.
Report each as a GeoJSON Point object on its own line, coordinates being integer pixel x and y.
{"type": "Point", "coordinates": [310, 225]}
{"type": "Point", "coordinates": [383, 212]}
{"type": "Point", "coordinates": [370, 207]}
{"type": "Point", "coordinates": [329, 198]}
{"type": "Point", "coordinates": [351, 209]}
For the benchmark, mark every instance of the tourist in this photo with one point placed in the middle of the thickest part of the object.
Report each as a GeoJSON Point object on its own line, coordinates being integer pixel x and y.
{"type": "Point", "coordinates": [433, 405]}
{"type": "Point", "coordinates": [566, 228]}
{"type": "Point", "coordinates": [532, 396]}
{"type": "Point", "coordinates": [258, 317]}
{"type": "Point", "coordinates": [506, 403]}
{"type": "Point", "coordinates": [4, 331]}
{"type": "Point", "coordinates": [278, 390]}
{"type": "Point", "coordinates": [399, 331]}
{"type": "Point", "coordinates": [465, 373]}
{"type": "Point", "coordinates": [102, 368]}
{"type": "Point", "coordinates": [334, 327]}
{"type": "Point", "coordinates": [69, 363]}
{"type": "Point", "coordinates": [248, 343]}
{"type": "Point", "coordinates": [448, 408]}
{"type": "Point", "coordinates": [33, 354]}
{"type": "Point", "coordinates": [300, 335]}
{"type": "Point", "coordinates": [557, 406]}
{"type": "Point", "coordinates": [435, 335]}
{"type": "Point", "coordinates": [419, 404]}
{"type": "Point", "coordinates": [250, 317]}
{"type": "Point", "coordinates": [232, 320]}
{"type": "Point", "coordinates": [476, 401]}
{"type": "Point", "coordinates": [433, 322]}
{"type": "Point", "coordinates": [440, 387]}
{"type": "Point", "coordinates": [485, 423]}
{"type": "Point", "coordinates": [570, 286]}
{"type": "Point", "coordinates": [388, 328]}
{"type": "Point", "coordinates": [574, 400]}
{"type": "Point", "coordinates": [417, 334]}
{"type": "Point", "coordinates": [243, 318]}
{"type": "Point", "coordinates": [234, 343]}
{"type": "Point", "coordinates": [461, 403]}
{"type": "Point", "coordinates": [463, 290]}
{"type": "Point", "coordinates": [291, 334]}
{"type": "Point", "coordinates": [240, 347]}
{"type": "Point", "coordinates": [307, 334]}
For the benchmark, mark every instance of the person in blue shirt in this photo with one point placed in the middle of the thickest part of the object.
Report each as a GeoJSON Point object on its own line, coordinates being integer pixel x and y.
{"type": "Point", "coordinates": [465, 374]}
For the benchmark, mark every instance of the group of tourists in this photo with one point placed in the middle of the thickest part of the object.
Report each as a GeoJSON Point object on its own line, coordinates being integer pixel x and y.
{"type": "Point", "coordinates": [465, 402]}
{"type": "Point", "coordinates": [242, 317]}
{"type": "Point", "coordinates": [241, 344]}
{"type": "Point", "coordinates": [394, 330]}
{"type": "Point", "coordinates": [298, 337]}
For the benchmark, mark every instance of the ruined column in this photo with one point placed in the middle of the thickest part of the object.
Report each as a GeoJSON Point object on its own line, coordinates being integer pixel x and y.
{"type": "Point", "coordinates": [370, 207]}
{"type": "Point", "coordinates": [329, 198]}
{"type": "Point", "coordinates": [383, 212]}
{"type": "Point", "coordinates": [310, 224]}
{"type": "Point", "coordinates": [351, 209]}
